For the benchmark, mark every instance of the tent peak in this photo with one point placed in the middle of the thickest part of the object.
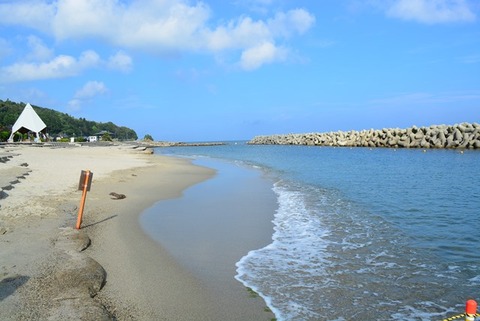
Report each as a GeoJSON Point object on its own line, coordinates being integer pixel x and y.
{"type": "Point", "coordinates": [28, 120]}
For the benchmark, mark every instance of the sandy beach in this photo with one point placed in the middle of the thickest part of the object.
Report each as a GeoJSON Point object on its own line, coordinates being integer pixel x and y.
{"type": "Point", "coordinates": [123, 274]}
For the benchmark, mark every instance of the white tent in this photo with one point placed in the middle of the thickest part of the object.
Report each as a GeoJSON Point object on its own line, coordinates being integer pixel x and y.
{"type": "Point", "coordinates": [28, 121]}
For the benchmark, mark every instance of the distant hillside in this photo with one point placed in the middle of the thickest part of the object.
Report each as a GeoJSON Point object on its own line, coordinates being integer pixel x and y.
{"type": "Point", "coordinates": [59, 124]}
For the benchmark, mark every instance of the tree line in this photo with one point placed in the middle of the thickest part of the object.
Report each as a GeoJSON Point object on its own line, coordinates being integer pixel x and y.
{"type": "Point", "coordinates": [59, 124]}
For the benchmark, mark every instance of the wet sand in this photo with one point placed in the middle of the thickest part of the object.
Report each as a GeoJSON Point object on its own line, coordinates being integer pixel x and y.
{"type": "Point", "coordinates": [212, 227]}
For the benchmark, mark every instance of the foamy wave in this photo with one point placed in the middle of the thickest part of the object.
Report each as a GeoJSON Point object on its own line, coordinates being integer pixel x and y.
{"type": "Point", "coordinates": [282, 272]}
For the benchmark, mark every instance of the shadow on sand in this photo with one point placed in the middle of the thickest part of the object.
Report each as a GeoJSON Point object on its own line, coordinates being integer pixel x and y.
{"type": "Point", "coordinates": [105, 219]}
{"type": "Point", "coordinates": [10, 284]}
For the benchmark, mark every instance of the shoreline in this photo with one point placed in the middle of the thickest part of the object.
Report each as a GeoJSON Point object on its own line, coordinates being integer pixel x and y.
{"type": "Point", "coordinates": [123, 252]}
{"type": "Point", "coordinates": [211, 227]}
{"type": "Point", "coordinates": [148, 281]}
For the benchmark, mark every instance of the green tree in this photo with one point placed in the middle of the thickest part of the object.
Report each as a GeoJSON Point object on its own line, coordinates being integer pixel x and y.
{"type": "Point", "coordinates": [106, 137]}
{"type": "Point", "coordinates": [4, 135]}
{"type": "Point", "coordinates": [148, 137]}
{"type": "Point", "coordinates": [61, 123]}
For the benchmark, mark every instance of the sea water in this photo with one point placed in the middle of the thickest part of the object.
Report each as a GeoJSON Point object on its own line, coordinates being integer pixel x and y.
{"type": "Point", "coordinates": [363, 234]}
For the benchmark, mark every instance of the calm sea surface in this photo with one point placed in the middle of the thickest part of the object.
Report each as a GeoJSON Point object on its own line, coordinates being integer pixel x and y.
{"type": "Point", "coordinates": [364, 234]}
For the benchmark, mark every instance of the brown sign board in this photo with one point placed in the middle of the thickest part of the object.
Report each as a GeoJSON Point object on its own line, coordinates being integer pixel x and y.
{"type": "Point", "coordinates": [83, 176]}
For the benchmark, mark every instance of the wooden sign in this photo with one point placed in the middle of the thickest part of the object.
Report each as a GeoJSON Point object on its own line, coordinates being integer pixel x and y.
{"type": "Point", "coordinates": [85, 179]}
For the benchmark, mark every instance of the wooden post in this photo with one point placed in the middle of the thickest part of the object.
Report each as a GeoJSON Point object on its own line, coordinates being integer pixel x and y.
{"type": "Point", "coordinates": [84, 186]}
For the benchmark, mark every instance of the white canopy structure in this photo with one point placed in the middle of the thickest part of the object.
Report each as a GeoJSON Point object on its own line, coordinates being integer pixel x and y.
{"type": "Point", "coordinates": [28, 121]}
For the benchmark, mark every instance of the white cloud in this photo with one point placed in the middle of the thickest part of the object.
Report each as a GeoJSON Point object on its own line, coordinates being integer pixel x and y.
{"type": "Point", "coordinates": [241, 34]}
{"type": "Point", "coordinates": [285, 24]}
{"type": "Point", "coordinates": [5, 48]}
{"type": "Point", "coordinates": [256, 39]}
{"type": "Point", "coordinates": [87, 59]}
{"type": "Point", "coordinates": [77, 19]}
{"type": "Point", "coordinates": [257, 2]}
{"type": "Point", "coordinates": [158, 26]}
{"type": "Point", "coordinates": [33, 14]}
{"type": "Point", "coordinates": [40, 63]}
{"type": "Point", "coordinates": [74, 105]}
{"type": "Point", "coordinates": [432, 11]}
{"type": "Point", "coordinates": [120, 61]}
{"type": "Point", "coordinates": [260, 6]}
{"type": "Point", "coordinates": [149, 25]}
{"type": "Point", "coordinates": [39, 51]}
{"type": "Point", "coordinates": [245, 32]}
{"type": "Point", "coordinates": [58, 67]}
{"type": "Point", "coordinates": [91, 89]}
{"type": "Point", "coordinates": [254, 57]}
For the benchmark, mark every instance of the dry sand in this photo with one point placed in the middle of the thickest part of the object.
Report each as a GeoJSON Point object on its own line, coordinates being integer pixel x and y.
{"type": "Point", "coordinates": [143, 282]}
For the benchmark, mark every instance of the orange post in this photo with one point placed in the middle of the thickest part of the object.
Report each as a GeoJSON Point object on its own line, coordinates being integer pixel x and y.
{"type": "Point", "coordinates": [470, 310]}
{"type": "Point", "coordinates": [82, 201]}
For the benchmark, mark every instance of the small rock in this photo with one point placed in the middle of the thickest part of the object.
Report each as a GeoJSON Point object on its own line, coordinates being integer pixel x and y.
{"type": "Point", "coordinates": [116, 196]}
{"type": "Point", "coordinates": [3, 230]}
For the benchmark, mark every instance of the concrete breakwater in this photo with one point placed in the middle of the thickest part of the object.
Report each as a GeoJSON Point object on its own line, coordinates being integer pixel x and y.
{"type": "Point", "coordinates": [462, 136]}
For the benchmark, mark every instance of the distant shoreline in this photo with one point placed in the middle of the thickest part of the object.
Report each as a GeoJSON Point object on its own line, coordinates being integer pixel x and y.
{"type": "Point", "coordinates": [133, 144]}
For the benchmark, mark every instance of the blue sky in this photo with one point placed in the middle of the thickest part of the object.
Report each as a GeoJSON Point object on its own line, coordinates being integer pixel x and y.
{"type": "Point", "coordinates": [230, 69]}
